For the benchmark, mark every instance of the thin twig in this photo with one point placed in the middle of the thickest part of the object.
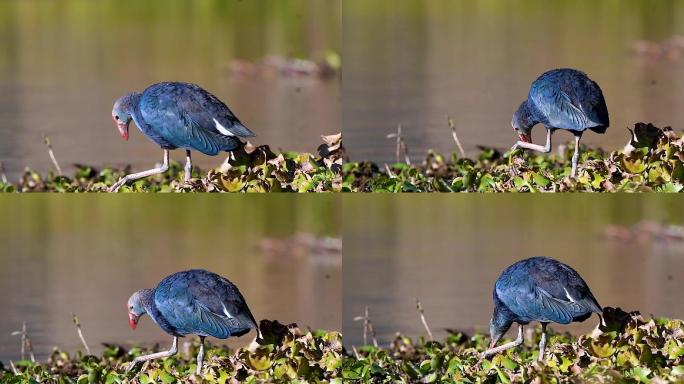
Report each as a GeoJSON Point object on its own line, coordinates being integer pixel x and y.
{"type": "Point", "coordinates": [23, 340]}
{"type": "Point", "coordinates": [452, 126]}
{"type": "Point", "coordinates": [3, 175]}
{"type": "Point", "coordinates": [80, 333]}
{"type": "Point", "coordinates": [389, 171]}
{"type": "Point", "coordinates": [356, 353]}
{"type": "Point", "coordinates": [367, 328]}
{"type": "Point", "coordinates": [422, 318]}
{"type": "Point", "coordinates": [52, 154]}
{"type": "Point", "coordinates": [26, 345]}
{"type": "Point", "coordinates": [398, 141]}
{"type": "Point", "coordinates": [371, 329]}
{"type": "Point", "coordinates": [401, 145]}
{"type": "Point", "coordinates": [365, 325]}
{"type": "Point", "coordinates": [14, 369]}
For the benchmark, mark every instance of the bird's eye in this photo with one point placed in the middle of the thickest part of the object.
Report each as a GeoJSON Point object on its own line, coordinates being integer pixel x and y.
{"type": "Point", "coordinates": [131, 308]}
{"type": "Point", "coordinates": [116, 117]}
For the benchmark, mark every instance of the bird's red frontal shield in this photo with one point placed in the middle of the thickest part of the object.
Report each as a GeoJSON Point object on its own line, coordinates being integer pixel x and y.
{"type": "Point", "coordinates": [132, 320]}
{"type": "Point", "coordinates": [525, 138]}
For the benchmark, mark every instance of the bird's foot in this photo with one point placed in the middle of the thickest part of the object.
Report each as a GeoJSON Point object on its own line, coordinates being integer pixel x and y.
{"type": "Point", "coordinates": [130, 366]}
{"type": "Point", "coordinates": [116, 186]}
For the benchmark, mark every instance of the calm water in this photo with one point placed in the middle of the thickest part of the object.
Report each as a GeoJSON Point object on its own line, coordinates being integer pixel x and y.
{"type": "Point", "coordinates": [415, 62]}
{"type": "Point", "coordinates": [448, 252]}
{"type": "Point", "coordinates": [63, 64]}
{"type": "Point", "coordinates": [81, 254]}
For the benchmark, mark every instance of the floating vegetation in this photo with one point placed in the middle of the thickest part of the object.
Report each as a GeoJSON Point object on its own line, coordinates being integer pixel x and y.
{"type": "Point", "coordinates": [652, 161]}
{"type": "Point", "coordinates": [646, 231]}
{"type": "Point", "coordinates": [670, 49]}
{"type": "Point", "coordinates": [326, 67]}
{"type": "Point", "coordinates": [254, 169]}
{"type": "Point", "coordinates": [630, 348]}
{"type": "Point", "coordinates": [287, 354]}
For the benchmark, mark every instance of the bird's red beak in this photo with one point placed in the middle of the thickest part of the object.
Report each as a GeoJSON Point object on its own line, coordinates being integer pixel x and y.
{"type": "Point", "coordinates": [525, 138]}
{"type": "Point", "coordinates": [132, 320]}
{"type": "Point", "coordinates": [123, 129]}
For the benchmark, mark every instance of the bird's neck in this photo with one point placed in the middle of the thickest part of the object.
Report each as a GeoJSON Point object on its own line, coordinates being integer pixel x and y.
{"type": "Point", "coordinates": [130, 102]}
{"type": "Point", "coordinates": [527, 115]}
{"type": "Point", "coordinates": [147, 300]}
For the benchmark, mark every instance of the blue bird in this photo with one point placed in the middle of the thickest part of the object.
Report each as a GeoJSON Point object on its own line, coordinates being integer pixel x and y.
{"type": "Point", "coordinates": [194, 302]}
{"type": "Point", "coordinates": [561, 99]}
{"type": "Point", "coordinates": [178, 115]}
{"type": "Point", "coordinates": [538, 289]}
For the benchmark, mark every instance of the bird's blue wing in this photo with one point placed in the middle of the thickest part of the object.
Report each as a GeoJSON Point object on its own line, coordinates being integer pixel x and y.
{"type": "Point", "coordinates": [568, 99]}
{"type": "Point", "coordinates": [555, 107]}
{"type": "Point", "coordinates": [176, 113]}
{"type": "Point", "coordinates": [188, 315]}
{"type": "Point", "coordinates": [549, 308]}
{"type": "Point", "coordinates": [209, 112]}
{"type": "Point", "coordinates": [531, 303]}
{"type": "Point", "coordinates": [220, 300]}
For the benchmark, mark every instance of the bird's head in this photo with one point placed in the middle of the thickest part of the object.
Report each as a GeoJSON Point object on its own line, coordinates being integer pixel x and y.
{"type": "Point", "coordinates": [498, 326]}
{"type": "Point", "coordinates": [121, 113]}
{"type": "Point", "coordinates": [522, 123]}
{"type": "Point", "coordinates": [136, 306]}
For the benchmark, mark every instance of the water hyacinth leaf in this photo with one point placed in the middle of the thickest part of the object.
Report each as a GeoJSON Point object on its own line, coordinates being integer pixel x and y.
{"type": "Point", "coordinates": [644, 169]}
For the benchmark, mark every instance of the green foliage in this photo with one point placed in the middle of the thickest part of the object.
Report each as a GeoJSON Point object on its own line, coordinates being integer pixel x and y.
{"type": "Point", "coordinates": [288, 354]}
{"type": "Point", "coordinates": [628, 349]}
{"type": "Point", "coordinates": [254, 169]}
{"type": "Point", "coordinates": [656, 164]}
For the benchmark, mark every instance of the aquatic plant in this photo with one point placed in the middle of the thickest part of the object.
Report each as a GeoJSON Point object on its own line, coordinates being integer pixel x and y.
{"type": "Point", "coordinates": [254, 169]}
{"type": "Point", "coordinates": [630, 348]}
{"type": "Point", "coordinates": [653, 161]}
{"type": "Point", "coordinates": [287, 354]}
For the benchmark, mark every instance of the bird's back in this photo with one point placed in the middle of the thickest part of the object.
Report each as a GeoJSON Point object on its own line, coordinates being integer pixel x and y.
{"type": "Point", "coordinates": [568, 99]}
{"type": "Point", "coordinates": [183, 115]}
{"type": "Point", "coordinates": [203, 303]}
{"type": "Point", "coordinates": [544, 289]}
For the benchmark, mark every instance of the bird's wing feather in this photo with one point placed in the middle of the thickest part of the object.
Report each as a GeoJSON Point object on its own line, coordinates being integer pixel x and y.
{"type": "Point", "coordinates": [211, 113]}
{"type": "Point", "coordinates": [223, 302]}
{"type": "Point", "coordinates": [556, 106]}
{"type": "Point", "coordinates": [175, 113]}
{"type": "Point", "coordinates": [204, 305]}
{"type": "Point", "coordinates": [552, 309]}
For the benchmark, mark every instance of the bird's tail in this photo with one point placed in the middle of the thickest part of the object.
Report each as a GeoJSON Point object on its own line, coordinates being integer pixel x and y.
{"type": "Point", "coordinates": [238, 129]}
{"type": "Point", "coordinates": [231, 143]}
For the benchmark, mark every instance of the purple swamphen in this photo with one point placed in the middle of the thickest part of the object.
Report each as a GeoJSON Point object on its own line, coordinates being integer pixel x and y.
{"type": "Point", "coordinates": [538, 289]}
{"type": "Point", "coordinates": [194, 302]}
{"type": "Point", "coordinates": [178, 115]}
{"type": "Point", "coordinates": [561, 99]}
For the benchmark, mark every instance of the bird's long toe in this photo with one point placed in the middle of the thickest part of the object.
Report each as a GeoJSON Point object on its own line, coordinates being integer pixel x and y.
{"type": "Point", "coordinates": [116, 186]}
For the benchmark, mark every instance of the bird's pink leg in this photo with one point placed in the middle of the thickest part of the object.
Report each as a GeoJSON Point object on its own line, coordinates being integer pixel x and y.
{"type": "Point", "coordinates": [542, 343]}
{"type": "Point", "coordinates": [158, 355]}
{"type": "Point", "coordinates": [512, 344]}
{"type": "Point", "coordinates": [536, 147]}
{"type": "Point", "coordinates": [200, 356]}
{"type": "Point", "coordinates": [135, 176]}
{"type": "Point", "coordinates": [188, 166]}
{"type": "Point", "coordinates": [575, 157]}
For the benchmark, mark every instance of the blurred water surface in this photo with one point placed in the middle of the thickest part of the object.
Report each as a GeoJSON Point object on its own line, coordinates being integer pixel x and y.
{"type": "Point", "coordinates": [449, 252]}
{"type": "Point", "coordinates": [414, 62]}
{"type": "Point", "coordinates": [64, 63]}
{"type": "Point", "coordinates": [86, 255]}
